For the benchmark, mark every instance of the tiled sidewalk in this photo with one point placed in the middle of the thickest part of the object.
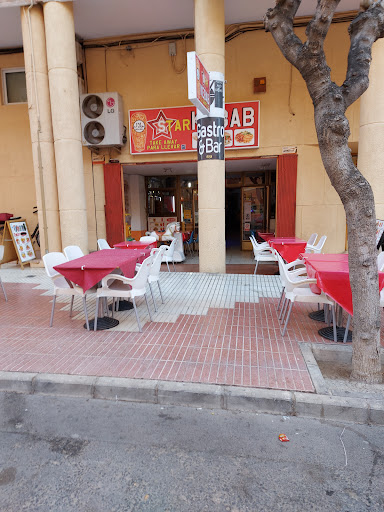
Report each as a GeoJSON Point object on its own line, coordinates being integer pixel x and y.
{"type": "Point", "coordinates": [220, 329]}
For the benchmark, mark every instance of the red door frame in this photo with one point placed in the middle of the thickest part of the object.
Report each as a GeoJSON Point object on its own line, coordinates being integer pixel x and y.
{"type": "Point", "coordinates": [114, 203]}
{"type": "Point", "coordinates": [286, 195]}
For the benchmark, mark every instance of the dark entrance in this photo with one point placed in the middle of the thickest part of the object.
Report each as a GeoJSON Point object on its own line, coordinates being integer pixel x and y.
{"type": "Point", "coordinates": [233, 217]}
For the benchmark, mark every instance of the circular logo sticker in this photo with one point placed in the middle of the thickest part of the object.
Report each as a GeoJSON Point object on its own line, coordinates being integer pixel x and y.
{"type": "Point", "coordinates": [110, 102]}
{"type": "Point", "coordinates": [138, 126]}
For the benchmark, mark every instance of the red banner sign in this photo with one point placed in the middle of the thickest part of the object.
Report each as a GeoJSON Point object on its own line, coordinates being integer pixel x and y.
{"type": "Point", "coordinates": [173, 129]}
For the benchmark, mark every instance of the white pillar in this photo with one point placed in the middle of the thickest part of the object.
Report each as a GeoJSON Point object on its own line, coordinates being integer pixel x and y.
{"type": "Point", "coordinates": [40, 120]}
{"type": "Point", "coordinates": [210, 47]}
{"type": "Point", "coordinates": [371, 137]}
{"type": "Point", "coordinates": [64, 91]}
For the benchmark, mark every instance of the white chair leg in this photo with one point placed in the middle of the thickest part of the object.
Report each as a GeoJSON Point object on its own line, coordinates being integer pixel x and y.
{"type": "Point", "coordinates": [53, 310]}
{"type": "Point", "coordinates": [149, 311]}
{"type": "Point", "coordinates": [137, 316]}
{"type": "Point", "coordinates": [288, 315]}
{"type": "Point", "coordinates": [334, 323]}
{"type": "Point", "coordinates": [167, 265]}
{"type": "Point", "coordinates": [173, 263]}
{"type": "Point", "coordinates": [113, 305]}
{"type": "Point", "coordinates": [347, 329]}
{"type": "Point", "coordinates": [85, 311]}
{"type": "Point", "coordinates": [257, 264]}
{"type": "Point", "coordinates": [281, 298]}
{"type": "Point", "coordinates": [283, 307]}
{"type": "Point", "coordinates": [153, 297]}
{"type": "Point", "coordinates": [2, 286]}
{"type": "Point", "coordinates": [161, 295]}
{"type": "Point", "coordinates": [96, 314]}
{"type": "Point", "coordinates": [285, 310]}
{"type": "Point", "coordinates": [70, 310]}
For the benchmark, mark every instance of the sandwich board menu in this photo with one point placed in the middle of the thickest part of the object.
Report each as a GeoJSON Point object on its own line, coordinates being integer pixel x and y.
{"type": "Point", "coordinates": [17, 242]}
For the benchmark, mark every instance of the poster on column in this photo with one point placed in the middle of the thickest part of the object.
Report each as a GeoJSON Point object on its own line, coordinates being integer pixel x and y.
{"type": "Point", "coordinates": [210, 129]}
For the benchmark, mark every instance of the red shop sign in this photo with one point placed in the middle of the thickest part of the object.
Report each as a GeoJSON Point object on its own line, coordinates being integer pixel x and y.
{"type": "Point", "coordinates": [173, 129]}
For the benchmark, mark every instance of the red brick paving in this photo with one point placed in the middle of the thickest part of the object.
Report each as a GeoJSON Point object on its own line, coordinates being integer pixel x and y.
{"type": "Point", "coordinates": [241, 346]}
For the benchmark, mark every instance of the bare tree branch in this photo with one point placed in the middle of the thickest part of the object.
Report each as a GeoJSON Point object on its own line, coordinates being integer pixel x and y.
{"type": "Point", "coordinates": [364, 30]}
{"type": "Point", "coordinates": [279, 21]}
{"type": "Point", "coordinates": [317, 29]}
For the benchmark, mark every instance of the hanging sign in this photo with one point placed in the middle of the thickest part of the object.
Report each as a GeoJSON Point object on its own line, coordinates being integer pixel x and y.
{"type": "Point", "coordinates": [198, 83]}
{"type": "Point", "coordinates": [174, 129]}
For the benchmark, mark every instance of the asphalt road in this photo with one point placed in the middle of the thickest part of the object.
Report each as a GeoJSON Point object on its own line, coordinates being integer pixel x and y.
{"type": "Point", "coordinates": [72, 454]}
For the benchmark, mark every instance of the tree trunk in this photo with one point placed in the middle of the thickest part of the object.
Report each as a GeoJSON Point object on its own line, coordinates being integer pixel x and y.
{"type": "Point", "coordinates": [358, 201]}
{"type": "Point", "coordinates": [330, 104]}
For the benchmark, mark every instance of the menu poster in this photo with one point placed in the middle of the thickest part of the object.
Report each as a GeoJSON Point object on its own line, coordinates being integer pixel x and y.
{"type": "Point", "coordinates": [22, 239]}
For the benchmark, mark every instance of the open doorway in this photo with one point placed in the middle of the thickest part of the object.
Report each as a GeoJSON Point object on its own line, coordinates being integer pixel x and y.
{"type": "Point", "coordinates": [233, 217]}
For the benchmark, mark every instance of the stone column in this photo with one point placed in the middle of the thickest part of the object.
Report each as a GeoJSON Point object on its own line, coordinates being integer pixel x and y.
{"type": "Point", "coordinates": [210, 47]}
{"type": "Point", "coordinates": [371, 137]}
{"type": "Point", "coordinates": [40, 120]}
{"type": "Point", "coordinates": [64, 91]}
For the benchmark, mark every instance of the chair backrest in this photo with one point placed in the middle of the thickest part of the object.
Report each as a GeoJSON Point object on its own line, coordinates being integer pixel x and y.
{"type": "Point", "coordinates": [1, 252]}
{"type": "Point", "coordinates": [140, 279]}
{"type": "Point", "coordinates": [380, 261]}
{"type": "Point", "coordinates": [312, 239]}
{"type": "Point", "coordinates": [321, 243]}
{"type": "Point", "coordinates": [156, 263]}
{"type": "Point", "coordinates": [190, 241]}
{"type": "Point", "coordinates": [51, 260]}
{"type": "Point", "coordinates": [171, 248]}
{"type": "Point", "coordinates": [103, 244]}
{"type": "Point", "coordinates": [154, 234]}
{"type": "Point", "coordinates": [72, 252]}
{"type": "Point", "coordinates": [148, 239]}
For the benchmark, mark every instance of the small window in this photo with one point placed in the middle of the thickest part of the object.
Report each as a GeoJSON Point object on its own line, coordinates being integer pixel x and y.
{"type": "Point", "coordinates": [14, 86]}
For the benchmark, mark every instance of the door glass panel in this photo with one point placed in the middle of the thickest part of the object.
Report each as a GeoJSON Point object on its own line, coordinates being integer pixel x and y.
{"type": "Point", "coordinates": [253, 210]}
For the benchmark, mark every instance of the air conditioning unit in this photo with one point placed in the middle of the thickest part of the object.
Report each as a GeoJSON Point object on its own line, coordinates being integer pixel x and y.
{"type": "Point", "coordinates": [102, 119]}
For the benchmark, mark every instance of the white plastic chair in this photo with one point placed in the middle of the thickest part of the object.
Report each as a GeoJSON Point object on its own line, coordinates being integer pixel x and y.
{"type": "Point", "coordinates": [73, 252]}
{"type": "Point", "coordinates": [298, 290]}
{"type": "Point", "coordinates": [312, 239]}
{"type": "Point", "coordinates": [296, 273]}
{"type": "Point", "coordinates": [1, 283]}
{"type": "Point", "coordinates": [262, 253]}
{"type": "Point", "coordinates": [155, 271]}
{"type": "Point", "coordinates": [61, 286]}
{"type": "Point", "coordinates": [148, 239]}
{"type": "Point", "coordinates": [168, 254]}
{"type": "Point", "coordinates": [316, 248]}
{"type": "Point", "coordinates": [103, 244]}
{"type": "Point", "coordinates": [124, 287]}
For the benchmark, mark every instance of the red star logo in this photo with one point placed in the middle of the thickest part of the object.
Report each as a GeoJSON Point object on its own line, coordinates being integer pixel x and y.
{"type": "Point", "coordinates": [161, 126]}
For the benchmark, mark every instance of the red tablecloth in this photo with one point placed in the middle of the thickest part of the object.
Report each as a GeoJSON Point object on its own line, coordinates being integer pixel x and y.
{"type": "Point", "coordinates": [90, 269]}
{"type": "Point", "coordinates": [289, 248]}
{"type": "Point", "coordinates": [135, 245]}
{"type": "Point", "coordinates": [267, 236]}
{"type": "Point", "coordinates": [332, 274]}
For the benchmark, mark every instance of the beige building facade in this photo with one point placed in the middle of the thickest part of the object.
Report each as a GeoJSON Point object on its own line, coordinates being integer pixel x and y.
{"type": "Point", "coordinates": [45, 163]}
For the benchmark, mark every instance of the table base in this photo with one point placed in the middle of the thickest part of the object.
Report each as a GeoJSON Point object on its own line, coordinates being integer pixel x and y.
{"type": "Point", "coordinates": [124, 305]}
{"type": "Point", "coordinates": [103, 323]}
{"type": "Point", "coordinates": [327, 333]}
{"type": "Point", "coordinates": [318, 315]}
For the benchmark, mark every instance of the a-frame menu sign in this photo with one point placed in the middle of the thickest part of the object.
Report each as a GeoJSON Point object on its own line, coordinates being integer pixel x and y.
{"type": "Point", "coordinates": [17, 242]}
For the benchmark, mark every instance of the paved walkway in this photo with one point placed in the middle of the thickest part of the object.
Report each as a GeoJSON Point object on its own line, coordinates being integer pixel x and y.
{"type": "Point", "coordinates": [220, 329]}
